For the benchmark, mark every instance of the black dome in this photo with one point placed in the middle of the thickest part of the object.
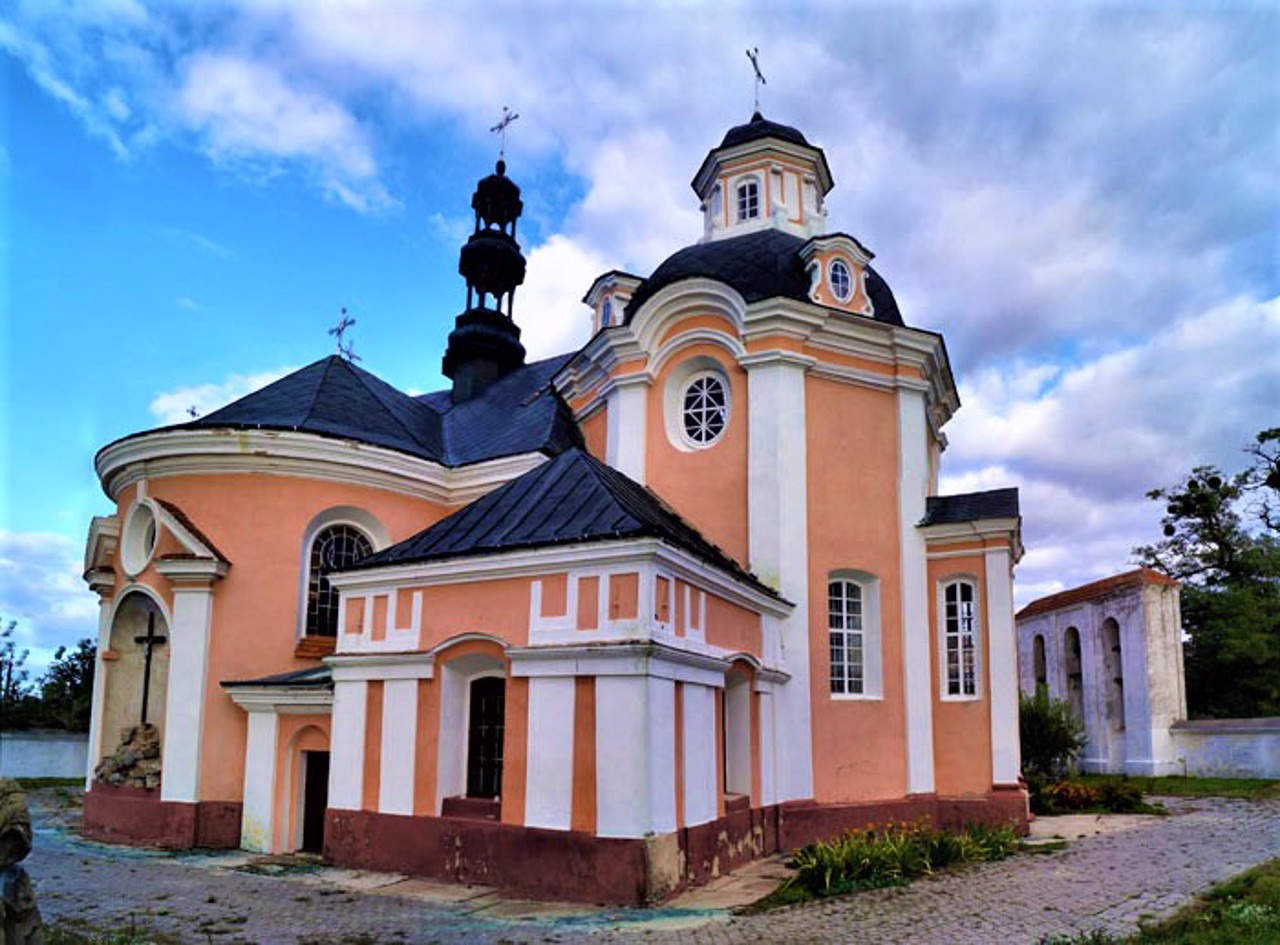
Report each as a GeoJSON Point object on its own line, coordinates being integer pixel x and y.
{"type": "Point", "coordinates": [761, 265]}
{"type": "Point", "coordinates": [761, 127]}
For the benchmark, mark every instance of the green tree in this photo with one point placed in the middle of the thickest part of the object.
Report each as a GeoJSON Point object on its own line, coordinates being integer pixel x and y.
{"type": "Point", "coordinates": [1051, 737]}
{"type": "Point", "coordinates": [1222, 541]}
{"type": "Point", "coordinates": [15, 691]}
{"type": "Point", "coordinates": [66, 689]}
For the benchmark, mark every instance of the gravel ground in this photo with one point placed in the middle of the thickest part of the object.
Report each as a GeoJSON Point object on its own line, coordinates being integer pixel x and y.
{"type": "Point", "coordinates": [1109, 881]}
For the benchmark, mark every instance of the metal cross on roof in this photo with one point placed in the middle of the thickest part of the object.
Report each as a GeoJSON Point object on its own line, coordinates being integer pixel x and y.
{"type": "Point", "coordinates": [349, 352]}
{"type": "Point", "coordinates": [754, 55]}
{"type": "Point", "coordinates": [508, 116]}
{"type": "Point", "coordinates": [338, 329]}
{"type": "Point", "coordinates": [193, 412]}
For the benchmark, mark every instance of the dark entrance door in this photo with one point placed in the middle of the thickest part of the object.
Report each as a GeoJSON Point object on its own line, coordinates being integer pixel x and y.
{"type": "Point", "coordinates": [484, 737]}
{"type": "Point", "coordinates": [315, 798]}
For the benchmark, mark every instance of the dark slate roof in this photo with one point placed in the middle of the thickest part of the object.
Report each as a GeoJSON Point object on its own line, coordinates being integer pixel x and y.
{"type": "Point", "coordinates": [761, 265]}
{"type": "Point", "coordinates": [519, 413]}
{"type": "Point", "coordinates": [760, 127]}
{"type": "Point", "coordinates": [573, 498]}
{"type": "Point", "coordinates": [317, 677]}
{"type": "Point", "coordinates": [970, 506]}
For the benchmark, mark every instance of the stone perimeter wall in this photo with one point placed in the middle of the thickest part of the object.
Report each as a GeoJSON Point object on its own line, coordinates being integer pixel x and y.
{"type": "Point", "coordinates": [44, 754]}
{"type": "Point", "coordinates": [1228, 748]}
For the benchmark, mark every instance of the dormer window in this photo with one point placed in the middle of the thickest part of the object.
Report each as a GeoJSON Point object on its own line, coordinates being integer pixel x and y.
{"type": "Point", "coordinates": [748, 200]}
{"type": "Point", "coordinates": [841, 280]}
{"type": "Point", "coordinates": [606, 313]}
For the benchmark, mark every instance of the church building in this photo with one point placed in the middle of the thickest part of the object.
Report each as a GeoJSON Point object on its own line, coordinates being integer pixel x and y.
{"type": "Point", "coordinates": [597, 627]}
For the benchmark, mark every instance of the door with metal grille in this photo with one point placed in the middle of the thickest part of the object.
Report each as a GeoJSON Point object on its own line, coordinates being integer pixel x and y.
{"type": "Point", "coordinates": [484, 736]}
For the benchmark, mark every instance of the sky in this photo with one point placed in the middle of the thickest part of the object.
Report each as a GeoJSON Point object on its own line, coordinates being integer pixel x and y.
{"type": "Point", "coordinates": [1083, 198]}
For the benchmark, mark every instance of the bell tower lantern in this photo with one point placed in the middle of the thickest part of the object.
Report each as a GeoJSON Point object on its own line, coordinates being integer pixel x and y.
{"type": "Point", "coordinates": [485, 342]}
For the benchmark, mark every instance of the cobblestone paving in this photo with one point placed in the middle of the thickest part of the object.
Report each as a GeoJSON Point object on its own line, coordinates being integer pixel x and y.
{"type": "Point", "coordinates": [1109, 882]}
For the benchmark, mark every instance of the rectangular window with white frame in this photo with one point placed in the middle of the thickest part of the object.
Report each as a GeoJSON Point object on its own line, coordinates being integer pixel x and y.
{"type": "Point", "coordinates": [959, 631]}
{"type": "Point", "coordinates": [853, 626]}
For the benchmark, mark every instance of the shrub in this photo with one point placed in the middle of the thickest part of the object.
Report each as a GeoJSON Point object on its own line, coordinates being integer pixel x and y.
{"type": "Point", "coordinates": [1052, 737]}
{"type": "Point", "coordinates": [893, 855]}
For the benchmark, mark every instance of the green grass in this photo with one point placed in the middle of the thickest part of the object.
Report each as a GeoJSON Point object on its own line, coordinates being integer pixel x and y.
{"type": "Point", "coordinates": [1245, 910]}
{"type": "Point", "coordinates": [35, 784]}
{"type": "Point", "coordinates": [1176, 786]}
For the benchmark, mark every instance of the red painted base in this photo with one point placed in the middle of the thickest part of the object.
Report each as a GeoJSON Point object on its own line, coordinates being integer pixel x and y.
{"type": "Point", "coordinates": [579, 867]}
{"type": "Point", "coordinates": [137, 817]}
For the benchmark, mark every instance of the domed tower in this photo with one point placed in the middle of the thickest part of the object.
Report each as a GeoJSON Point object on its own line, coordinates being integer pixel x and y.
{"type": "Point", "coordinates": [485, 343]}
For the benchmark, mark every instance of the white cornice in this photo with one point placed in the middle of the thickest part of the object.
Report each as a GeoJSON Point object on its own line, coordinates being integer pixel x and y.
{"type": "Point", "coordinates": [540, 561]}
{"type": "Point", "coordinates": [300, 455]}
{"type": "Point", "coordinates": [953, 533]}
{"type": "Point", "coordinates": [283, 700]}
{"type": "Point", "coordinates": [104, 537]}
{"type": "Point", "coordinates": [188, 572]}
{"type": "Point", "coordinates": [353, 667]}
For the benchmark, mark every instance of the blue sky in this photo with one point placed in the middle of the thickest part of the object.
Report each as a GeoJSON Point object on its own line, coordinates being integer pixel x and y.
{"type": "Point", "coordinates": [1083, 199]}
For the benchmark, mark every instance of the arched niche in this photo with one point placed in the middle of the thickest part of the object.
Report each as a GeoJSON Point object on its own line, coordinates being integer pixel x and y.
{"type": "Point", "coordinates": [126, 670]}
{"type": "Point", "coordinates": [1074, 671]}
{"type": "Point", "coordinates": [1113, 675]}
{"type": "Point", "coordinates": [1038, 662]}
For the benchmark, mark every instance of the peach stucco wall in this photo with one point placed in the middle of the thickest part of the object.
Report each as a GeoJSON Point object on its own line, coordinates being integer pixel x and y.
{"type": "Point", "coordinates": [595, 433]}
{"type": "Point", "coordinates": [708, 486]}
{"type": "Point", "coordinates": [859, 745]}
{"type": "Point", "coordinates": [961, 729]}
{"type": "Point", "coordinates": [257, 521]}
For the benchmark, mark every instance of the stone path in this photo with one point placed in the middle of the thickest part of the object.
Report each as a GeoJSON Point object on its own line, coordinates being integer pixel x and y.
{"type": "Point", "coordinates": [1148, 868]}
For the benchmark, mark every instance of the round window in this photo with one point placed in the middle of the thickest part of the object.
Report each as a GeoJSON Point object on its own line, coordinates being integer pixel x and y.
{"type": "Point", "coordinates": [138, 542]}
{"type": "Point", "coordinates": [841, 280]}
{"type": "Point", "coordinates": [705, 410]}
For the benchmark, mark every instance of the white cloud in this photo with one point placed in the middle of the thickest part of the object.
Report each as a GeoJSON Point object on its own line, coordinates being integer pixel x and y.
{"type": "Point", "coordinates": [246, 111]}
{"type": "Point", "coordinates": [173, 406]}
{"type": "Point", "coordinates": [41, 588]}
{"type": "Point", "coordinates": [548, 307]}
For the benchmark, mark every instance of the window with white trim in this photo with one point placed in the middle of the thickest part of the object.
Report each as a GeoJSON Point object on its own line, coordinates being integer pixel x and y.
{"type": "Point", "coordinates": [606, 313]}
{"type": "Point", "coordinates": [960, 638]}
{"type": "Point", "coordinates": [748, 200]}
{"type": "Point", "coordinates": [841, 280]}
{"type": "Point", "coordinates": [335, 547]}
{"type": "Point", "coordinates": [853, 634]}
{"type": "Point", "coordinates": [704, 409]}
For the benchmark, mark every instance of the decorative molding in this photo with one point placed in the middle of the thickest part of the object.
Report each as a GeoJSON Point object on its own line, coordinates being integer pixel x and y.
{"type": "Point", "coordinates": [283, 700]}
{"type": "Point", "coordinates": [369, 666]}
{"type": "Point", "coordinates": [192, 572]}
{"type": "Point", "coordinates": [301, 455]}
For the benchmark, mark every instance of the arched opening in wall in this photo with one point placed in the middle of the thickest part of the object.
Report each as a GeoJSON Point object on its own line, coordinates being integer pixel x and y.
{"type": "Point", "coordinates": [1113, 672]}
{"type": "Point", "coordinates": [473, 690]}
{"type": "Point", "coordinates": [136, 666]}
{"type": "Point", "coordinates": [333, 548]}
{"type": "Point", "coordinates": [305, 784]}
{"type": "Point", "coordinates": [1075, 675]}
{"type": "Point", "coordinates": [735, 741]}
{"type": "Point", "coordinates": [1038, 662]}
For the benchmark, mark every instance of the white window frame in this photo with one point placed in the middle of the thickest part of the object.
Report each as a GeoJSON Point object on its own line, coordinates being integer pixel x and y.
{"type": "Point", "coordinates": [739, 195]}
{"type": "Point", "coordinates": [944, 691]}
{"type": "Point", "coordinates": [139, 537]}
{"type": "Point", "coordinates": [677, 383]}
{"type": "Point", "coordinates": [872, 638]}
{"type": "Point", "coordinates": [357, 518]}
{"type": "Point", "coordinates": [850, 280]}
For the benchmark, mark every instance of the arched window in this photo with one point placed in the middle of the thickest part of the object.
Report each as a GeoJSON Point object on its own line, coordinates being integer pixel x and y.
{"type": "Point", "coordinates": [960, 639]}
{"type": "Point", "coordinates": [853, 626]}
{"type": "Point", "coordinates": [606, 313]}
{"type": "Point", "coordinates": [841, 280]}
{"type": "Point", "coordinates": [1038, 661]}
{"type": "Point", "coordinates": [335, 547]}
{"type": "Point", "coordinates": [1074, 669]}
{"type": "Point", "coordinates": [748, 200]}
{"type": "Point", "coordinates": [706, 409]}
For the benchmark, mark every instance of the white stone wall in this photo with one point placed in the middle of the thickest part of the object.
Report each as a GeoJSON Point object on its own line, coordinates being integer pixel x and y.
{"type": "Point", "coordinates": [1228, 748]}
{"type": "Point", "coordinates": [43, 754]}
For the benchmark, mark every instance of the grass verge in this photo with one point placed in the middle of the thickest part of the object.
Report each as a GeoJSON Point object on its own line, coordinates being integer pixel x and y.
{"type": "Point", "coordinates": [1177, 786]}
{"type": "Point", "coordinates": [35, 784]}
{"type": "Point", "coordinates": [1245, 910]}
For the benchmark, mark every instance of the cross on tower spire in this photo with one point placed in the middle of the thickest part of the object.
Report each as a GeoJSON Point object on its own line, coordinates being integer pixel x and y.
{"type": "Point", "coordinates": [754, 55]}
{"type": "Point", "coordinates": [508, 116]}
{"type": "Point", "coordinates": [337, 331]}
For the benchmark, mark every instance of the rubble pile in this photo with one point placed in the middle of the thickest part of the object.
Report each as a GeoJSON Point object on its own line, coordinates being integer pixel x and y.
{"type": "Point", "coordinates": [136, 763]}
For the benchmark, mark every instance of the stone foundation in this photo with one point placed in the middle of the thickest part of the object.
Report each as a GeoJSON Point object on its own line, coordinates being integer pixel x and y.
{"type": "Point", "coordinates": [137, 817]}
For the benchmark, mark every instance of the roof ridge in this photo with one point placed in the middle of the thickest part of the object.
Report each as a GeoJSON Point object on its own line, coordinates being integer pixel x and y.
{"type": "Point", "coordinates": [315, 394]}
{"type": "Point", "coordinates": [364, 377]}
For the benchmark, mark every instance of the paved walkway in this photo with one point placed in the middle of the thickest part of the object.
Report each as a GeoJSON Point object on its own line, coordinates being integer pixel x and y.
{"type": "Point", "coordinates": [1148, 867]}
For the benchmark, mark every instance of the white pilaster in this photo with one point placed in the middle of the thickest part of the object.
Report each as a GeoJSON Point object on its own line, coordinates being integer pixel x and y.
{"type": "Point", "coordinates": [777, 514]}
{"type": "Point", "coordinates": [917, 656]}
{"type": "Point", "coordinates": [399, 736]}
{"type": "Point", "coordinates": [549, 784]}
{"type": "Point", "coordinates": [700, 751]}
{"type": "Point", "coordinates": [625, 425]}
{"type": "Point", "coordinates": [1002, 668]}
{"type": "Point", "coordinates": [184, 703]}
{"type": "Point", "coordinates": [98, 706]}
{"type": "Point", "coordinates": [257, 821]}
{"type": "Point", "coordinates": [768, 771]}
{"type": "Point", "coordinates": [635, 756]}
{"type": "Point", "coordinates": [346, 764]}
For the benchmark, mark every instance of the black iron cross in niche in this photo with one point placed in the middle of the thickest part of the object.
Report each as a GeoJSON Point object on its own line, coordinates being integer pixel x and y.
{"type": "Point", "coordinates": [149, 642]}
